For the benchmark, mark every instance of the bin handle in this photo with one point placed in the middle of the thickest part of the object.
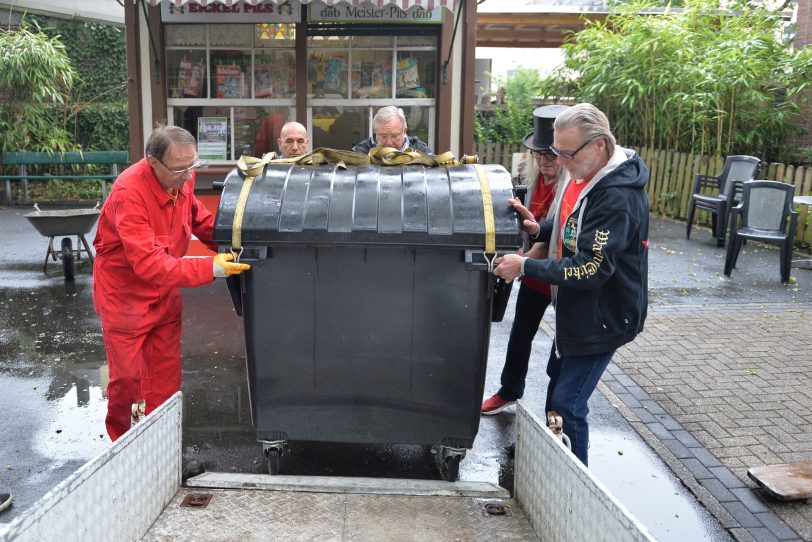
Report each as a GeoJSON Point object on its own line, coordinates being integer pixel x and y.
{"type": "Point", "coordinates": [489, 260]}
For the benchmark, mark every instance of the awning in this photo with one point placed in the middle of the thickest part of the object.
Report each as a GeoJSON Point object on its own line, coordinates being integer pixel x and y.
{"type": "Point", "coordinates": [402, 4]}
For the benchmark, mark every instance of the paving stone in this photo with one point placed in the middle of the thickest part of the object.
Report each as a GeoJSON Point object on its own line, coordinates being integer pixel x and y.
{"type": "Point", "coordinates": [669, 423]}
{"type": "Point", "coordinates": [731, 481]}
{"type": "Point", "coordinates": [762, 534]}
{"type": "Point", "coordinates": [677, 448]}
{"type": "Point", "coordinates": [658, 430]}
{"type": "Point", "coordinates": [706, 457]}
{"type": "Point", "coordinates": [652, 406]}
{"type": "Point", "coordinates": [628, 399]}
{"type": "Point", "coordinates": [687, 439]}
{"type": "Point", "coordinates": [740, 512]}
{"type": "Point", "coordinates": [696, 468]}
{"type": "Point", "coordinates": [638, 392]}
{"type": "Point", "coordinates": [644, 415]}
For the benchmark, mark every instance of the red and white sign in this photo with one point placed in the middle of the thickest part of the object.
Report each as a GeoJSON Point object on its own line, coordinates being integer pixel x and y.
{"type": "Point", "coordinates": [229, 11]}
{"type": "Point", "coordinates": [402, 4]}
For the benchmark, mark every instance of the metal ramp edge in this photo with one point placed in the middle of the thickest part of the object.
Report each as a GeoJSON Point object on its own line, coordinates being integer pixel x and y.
{"type": "Point", "coordinates": [354, 485]}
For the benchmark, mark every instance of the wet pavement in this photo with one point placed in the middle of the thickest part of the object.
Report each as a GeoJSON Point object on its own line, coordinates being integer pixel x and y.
{"type": "Point", "coordinates": [52, 368]}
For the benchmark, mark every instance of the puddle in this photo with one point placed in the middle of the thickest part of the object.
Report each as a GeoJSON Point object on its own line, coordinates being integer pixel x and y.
{"type": "Point", "coordinates": [634, 474]}
{"type": "Point", "coordinates": [74, 426]}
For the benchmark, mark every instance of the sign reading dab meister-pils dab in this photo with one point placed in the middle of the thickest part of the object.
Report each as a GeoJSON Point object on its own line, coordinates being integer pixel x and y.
{"type": "Point", "coordinates": [370, 12]}
{"type": "Point", "coordinates": [238, 12]}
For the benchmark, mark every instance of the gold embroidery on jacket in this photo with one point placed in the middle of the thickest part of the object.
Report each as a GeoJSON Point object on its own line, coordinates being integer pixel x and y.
{"type": "Point", "coordinates": [590, 268]}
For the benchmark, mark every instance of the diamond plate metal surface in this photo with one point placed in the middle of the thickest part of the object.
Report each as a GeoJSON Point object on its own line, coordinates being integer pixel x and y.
{"type": "Point", "coordinates": [118, 494]}
{"type": "Point", "coordinates": [248, 515]}
{"type": "Point", "coordinates": [561, 497]}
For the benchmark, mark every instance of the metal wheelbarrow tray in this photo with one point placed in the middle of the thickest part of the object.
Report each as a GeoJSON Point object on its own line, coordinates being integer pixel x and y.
{"type": "Point", "coordinates": [65, 222]}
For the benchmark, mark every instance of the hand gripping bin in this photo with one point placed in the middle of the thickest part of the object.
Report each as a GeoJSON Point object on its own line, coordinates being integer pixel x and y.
{"type": "Point", "coordinates": [367, 309]}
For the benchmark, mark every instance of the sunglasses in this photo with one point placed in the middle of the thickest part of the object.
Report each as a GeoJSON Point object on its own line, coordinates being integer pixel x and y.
{"type": "Point", "coordinates": [572, 154]}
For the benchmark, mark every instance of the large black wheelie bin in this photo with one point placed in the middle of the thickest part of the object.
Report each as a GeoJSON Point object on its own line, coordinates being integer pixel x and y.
{"type": "Point", "coordinates": [367, 309]}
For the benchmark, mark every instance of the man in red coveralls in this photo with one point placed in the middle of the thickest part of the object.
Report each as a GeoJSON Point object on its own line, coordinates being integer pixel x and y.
{"type": "Point", "coordinates": [143, 232]}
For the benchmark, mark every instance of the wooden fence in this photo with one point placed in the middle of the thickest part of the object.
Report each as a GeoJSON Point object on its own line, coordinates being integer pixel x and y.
{"type": "Point", "coordinates": [671, 179]}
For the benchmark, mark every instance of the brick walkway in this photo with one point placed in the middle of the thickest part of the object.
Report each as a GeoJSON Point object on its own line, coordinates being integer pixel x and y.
{"type": "Point", "coordinates": [719, 390]}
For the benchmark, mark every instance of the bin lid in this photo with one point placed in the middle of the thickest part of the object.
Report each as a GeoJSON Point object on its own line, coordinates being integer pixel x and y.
{"type": "Point", "coordinates": [368, 205]}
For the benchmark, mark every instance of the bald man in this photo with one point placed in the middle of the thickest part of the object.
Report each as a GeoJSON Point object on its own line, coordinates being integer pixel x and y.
{"type": "Point", "coordinates": [292, 140]}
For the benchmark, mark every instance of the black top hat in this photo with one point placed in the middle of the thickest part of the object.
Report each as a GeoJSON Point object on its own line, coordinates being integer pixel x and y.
{"type": "Point", "coordinates": [541, 138]}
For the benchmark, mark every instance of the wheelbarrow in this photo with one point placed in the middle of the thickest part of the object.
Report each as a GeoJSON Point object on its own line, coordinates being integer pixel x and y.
{"type": "Point", "coordinates": [67, 222]}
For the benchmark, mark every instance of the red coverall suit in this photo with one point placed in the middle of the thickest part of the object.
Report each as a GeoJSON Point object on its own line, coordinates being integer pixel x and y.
{"type": "Point", "coordinates": [140, 242]}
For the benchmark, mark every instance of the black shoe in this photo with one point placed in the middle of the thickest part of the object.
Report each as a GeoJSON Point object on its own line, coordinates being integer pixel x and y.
{"type": "Point", "coordinates": [5, 501]}
{"type": "Point", "coordinates": [191, 468]}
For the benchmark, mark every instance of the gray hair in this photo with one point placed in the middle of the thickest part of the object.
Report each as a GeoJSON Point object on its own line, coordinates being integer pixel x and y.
{"type": "Point", "coordinates": [164, 137]}
{"type": "Point", "coordinates": [389, 113]}
{"type": "Point", "coordinates": [590, 120]}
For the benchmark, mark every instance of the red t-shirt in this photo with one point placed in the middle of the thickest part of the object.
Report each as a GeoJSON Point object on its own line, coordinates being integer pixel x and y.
{"type": "Point", "coordinates": [540, 202]}
{"type": "Point", "coordinates": [569, 228]}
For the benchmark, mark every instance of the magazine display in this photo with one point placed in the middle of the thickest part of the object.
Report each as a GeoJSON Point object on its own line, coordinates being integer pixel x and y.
{"type": "Point", "coordinates": [327, 74]}
{"type": "Point", "coordinates": [230, 81]}
{"type": "Point", "coordinates": [372, 79]}
{"type": "Point", "coordinates": [191, 76]}
{"type": "Point", "coordinates": [408, 74]}
{"type": "Point", "coordinates": [275, 77]}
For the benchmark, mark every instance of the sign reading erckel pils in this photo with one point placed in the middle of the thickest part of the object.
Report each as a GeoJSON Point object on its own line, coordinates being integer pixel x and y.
{"type": "Point", "coordinates": [239, 12]}
{"type": "Point", "coordinates": [370, 12]}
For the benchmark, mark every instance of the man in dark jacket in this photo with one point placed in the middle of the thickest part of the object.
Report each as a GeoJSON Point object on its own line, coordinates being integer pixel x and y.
{"type": "Point", "coordinates": [389, 127]}
{"type": "Point", "coordinates": [598, 261]}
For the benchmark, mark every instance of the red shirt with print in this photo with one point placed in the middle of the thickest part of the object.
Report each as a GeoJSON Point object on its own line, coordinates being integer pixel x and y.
{"type": "Point", "coordinates": [568, 201]}
{"type": "Point", "coordinates": [540, 202]}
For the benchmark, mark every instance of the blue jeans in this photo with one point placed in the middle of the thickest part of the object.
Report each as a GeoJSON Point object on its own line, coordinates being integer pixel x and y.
{"type": "Point", "coordinates": [572, 381]}
{"type": "Point", "coordinates": [530, 307]}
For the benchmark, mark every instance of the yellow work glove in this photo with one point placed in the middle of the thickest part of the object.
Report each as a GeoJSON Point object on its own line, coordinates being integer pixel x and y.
{"type": "Point", "coordinates": [224, 267]}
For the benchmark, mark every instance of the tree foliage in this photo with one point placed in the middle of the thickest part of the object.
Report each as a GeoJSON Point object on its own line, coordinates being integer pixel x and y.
{"type": "Point", "coordinates": [35, 74]}
{"type": "Point", "coordinates": [698, 79]}
{"type": "Point", "coordinates": [96, 109]}
{"type": "Point", "coordinates": [514, 119]}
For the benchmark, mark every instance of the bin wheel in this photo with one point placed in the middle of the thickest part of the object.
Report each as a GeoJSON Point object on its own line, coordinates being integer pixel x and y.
{"type": "Point", "coordinates": [67, 258]}
{"type": "Point", "coordinates": [451, 468]}
{"type": "Point", "coordinates": [274, 457]}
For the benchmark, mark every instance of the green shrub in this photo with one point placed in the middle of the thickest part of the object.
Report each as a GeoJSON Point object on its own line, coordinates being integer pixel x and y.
{"type": "Point", "coordinates": [95, 112]}
{"type": "Point", "coordinates": [103, 127]}
{"type": "Point", "coordinates": [60, 190]}
{"type": "Point", "coordinates": [35, 75]}
{"type": "Point", "coordinates": [513, 120]}
{"type": "Point", "coordinates": [702, 80]}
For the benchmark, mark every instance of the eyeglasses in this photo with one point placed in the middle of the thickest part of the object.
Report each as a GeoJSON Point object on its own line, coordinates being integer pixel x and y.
{"type": "Point", "coordinates": [547, 155]}
{"type": "Point", "coordinates": [389, 137]}
{"type": "Point", "coordinates": [572, 154]}
{"type": "Point", "coordinates": [179, 171]}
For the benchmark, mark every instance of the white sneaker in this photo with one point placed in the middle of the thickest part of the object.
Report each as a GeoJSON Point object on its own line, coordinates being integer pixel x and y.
{"type": "Point", "coordinates": [139, 410]}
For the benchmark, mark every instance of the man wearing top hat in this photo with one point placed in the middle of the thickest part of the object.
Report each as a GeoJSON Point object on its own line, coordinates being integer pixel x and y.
{"type": "Point", "coordinates": [597, 261]}
{"type": "Point", "coordinates": [544, 177]}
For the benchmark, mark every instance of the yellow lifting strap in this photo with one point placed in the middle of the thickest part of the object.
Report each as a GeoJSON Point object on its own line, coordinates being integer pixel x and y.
{"type": "Point", "coordinates": [487, 209]}
{"type": "Point", "coordinates": [385, 156]}
{"type": "Point", "coordinates": [381, 156]}
{"type": "Point", "coordinates": [251, 167]}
